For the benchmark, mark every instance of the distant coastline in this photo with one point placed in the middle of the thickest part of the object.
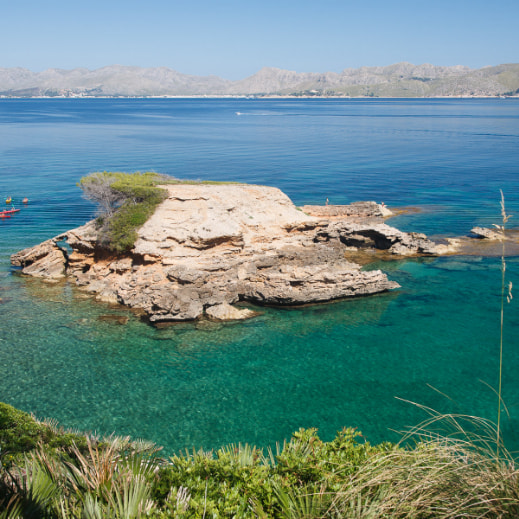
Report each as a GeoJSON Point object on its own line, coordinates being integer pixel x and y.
{"type": "Point", "coordinates": [401, 80]}
{"type": "Point", "coordinates": [258, 97]}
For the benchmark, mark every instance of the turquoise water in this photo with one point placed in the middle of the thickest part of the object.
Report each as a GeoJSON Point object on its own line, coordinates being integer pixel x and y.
{"type": "Point", "coordinates": [328, 366]}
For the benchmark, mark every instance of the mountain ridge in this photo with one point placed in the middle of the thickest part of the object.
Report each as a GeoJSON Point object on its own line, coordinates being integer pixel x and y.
{"type": "Point", "coordinates": [397, 80]}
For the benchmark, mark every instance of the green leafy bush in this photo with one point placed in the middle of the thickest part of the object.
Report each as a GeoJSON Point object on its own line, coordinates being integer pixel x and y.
{"type": "Point", "coordinates": [241, 481]}
{"type": "Point", "coordinates": [21, 433]}
{"type": "Point", "coordinates": [139, 206]}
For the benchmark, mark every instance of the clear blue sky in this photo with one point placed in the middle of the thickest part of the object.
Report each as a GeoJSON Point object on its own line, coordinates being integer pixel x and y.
{"type": "Point", "coordinates": [234, 39]}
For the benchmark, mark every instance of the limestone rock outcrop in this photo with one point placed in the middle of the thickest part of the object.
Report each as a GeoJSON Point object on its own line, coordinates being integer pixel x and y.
{"type": "Point", "coordinates": [357, 210]}
{"type": "Point", "coordinates": [209, 246]}
{"type": "Point", "coordinates": [46, 260]}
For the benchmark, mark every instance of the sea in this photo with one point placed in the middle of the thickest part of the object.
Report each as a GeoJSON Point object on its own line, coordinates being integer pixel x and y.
{"type": "Point", "coordinates": [380, 364]}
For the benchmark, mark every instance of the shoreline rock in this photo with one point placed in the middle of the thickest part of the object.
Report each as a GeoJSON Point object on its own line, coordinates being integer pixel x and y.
{"type": "Point", "coordinates": [360, 210]}
{"type": "Point", "coordinates": [209, 246]}
{"type": "Point", "coordinates": [488, 234]}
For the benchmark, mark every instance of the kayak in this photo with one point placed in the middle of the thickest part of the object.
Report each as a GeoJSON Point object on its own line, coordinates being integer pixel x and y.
{"type": "Point", "coordinates": [8, 212]}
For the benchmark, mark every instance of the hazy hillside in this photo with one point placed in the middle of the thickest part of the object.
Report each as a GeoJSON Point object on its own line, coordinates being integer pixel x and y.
{"type": "Point", "coordinates": [399, 80]}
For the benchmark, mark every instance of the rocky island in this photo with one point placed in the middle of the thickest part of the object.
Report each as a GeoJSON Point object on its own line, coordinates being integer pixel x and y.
{"type": "Point", "coordinates": [207, 247]}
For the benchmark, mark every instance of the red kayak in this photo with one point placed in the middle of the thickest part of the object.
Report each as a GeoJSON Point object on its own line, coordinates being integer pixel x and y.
{"type": "Point", "coordinates": [8, 212]}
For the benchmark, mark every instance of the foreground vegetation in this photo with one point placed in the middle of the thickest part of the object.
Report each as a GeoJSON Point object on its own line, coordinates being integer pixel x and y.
{"type": "Point", "coordinates": [47, 472]}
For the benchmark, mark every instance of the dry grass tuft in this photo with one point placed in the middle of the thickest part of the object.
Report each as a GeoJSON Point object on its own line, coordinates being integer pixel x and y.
{"type": "Point", "coordinates": [441, 477]}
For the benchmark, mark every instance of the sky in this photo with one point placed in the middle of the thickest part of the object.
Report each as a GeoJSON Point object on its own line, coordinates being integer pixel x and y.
{"type": "Point", "coordinates": [234, 39]}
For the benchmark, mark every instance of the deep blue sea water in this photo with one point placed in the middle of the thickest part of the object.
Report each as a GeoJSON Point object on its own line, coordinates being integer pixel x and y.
{"type": "Point", "coordinates": [329, 366]}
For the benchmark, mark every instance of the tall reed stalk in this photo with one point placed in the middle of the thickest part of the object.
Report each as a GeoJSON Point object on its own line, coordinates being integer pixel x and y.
{"type": "Point", "coordinates": [504, 217]}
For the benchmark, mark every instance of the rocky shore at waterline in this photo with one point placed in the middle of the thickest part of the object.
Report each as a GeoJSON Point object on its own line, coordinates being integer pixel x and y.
{"type": "Point", "coordinates": [207, 247]}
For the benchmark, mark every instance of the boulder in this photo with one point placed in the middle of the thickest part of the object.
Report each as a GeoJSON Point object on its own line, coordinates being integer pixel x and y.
{"type": "Point", "coordinates": [46, 260]}
{"type": "Point", "coordinates": [226, 312]}
{"type": "Point", "coordinates": [488, 234]}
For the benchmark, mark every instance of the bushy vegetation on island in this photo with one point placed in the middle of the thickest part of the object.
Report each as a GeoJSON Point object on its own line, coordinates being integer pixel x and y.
{"type": "Point", "coordinates": [47, 472]}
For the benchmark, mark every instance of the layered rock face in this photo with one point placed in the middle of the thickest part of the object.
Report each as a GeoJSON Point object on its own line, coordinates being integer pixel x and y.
{"type": "Point", "coordinates": [209, 246]}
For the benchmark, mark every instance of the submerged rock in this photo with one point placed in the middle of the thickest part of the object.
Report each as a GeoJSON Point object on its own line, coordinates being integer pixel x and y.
{"type": "Point", "coordinates": [116, 319]}
{"type": "Point", "coordinates": [226, 312]}
{"type": "Point", "coordinates": [209, 246]}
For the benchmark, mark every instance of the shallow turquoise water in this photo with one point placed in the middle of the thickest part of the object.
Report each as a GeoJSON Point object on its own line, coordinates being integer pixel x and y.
{"type": "Point", "coordinates": [327, 366]}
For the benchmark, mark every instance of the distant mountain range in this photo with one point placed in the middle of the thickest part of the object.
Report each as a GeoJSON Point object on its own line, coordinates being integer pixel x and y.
{"type": "Point", "coordinates": [399, 80]}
